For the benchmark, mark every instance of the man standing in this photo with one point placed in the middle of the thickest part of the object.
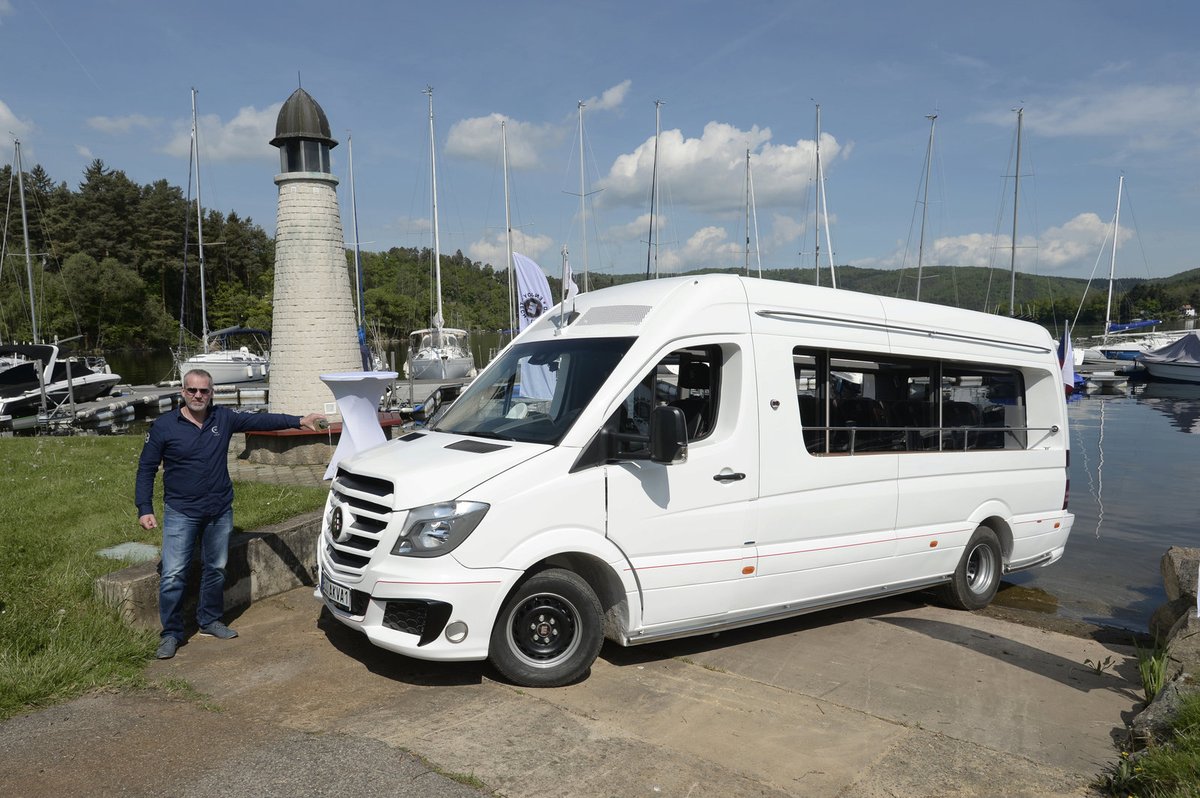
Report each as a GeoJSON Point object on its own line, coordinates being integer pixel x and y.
{"type": "Point", "coordinates": [191, 443]}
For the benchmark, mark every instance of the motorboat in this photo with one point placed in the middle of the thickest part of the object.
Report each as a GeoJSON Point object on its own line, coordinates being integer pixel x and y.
{"type": "Point", "coordinates": [1176, 362]}
{"type": "Point", "coordinates": [34, 371]}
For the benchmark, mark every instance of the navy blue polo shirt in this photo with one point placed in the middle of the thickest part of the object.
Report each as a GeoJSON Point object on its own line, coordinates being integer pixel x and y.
{"type": "Point", "coordinates": [195, 473]}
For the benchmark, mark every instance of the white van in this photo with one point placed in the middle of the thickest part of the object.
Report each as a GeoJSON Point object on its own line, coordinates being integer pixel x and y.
{"type": "Point", "coordinates": [681, 456]}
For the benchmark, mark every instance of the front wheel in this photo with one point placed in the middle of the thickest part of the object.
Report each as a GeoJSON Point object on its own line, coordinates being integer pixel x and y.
{"type": "Point", "coordinates": [977, 576]}
{"type": "Point", "coordinates": [549, 631]}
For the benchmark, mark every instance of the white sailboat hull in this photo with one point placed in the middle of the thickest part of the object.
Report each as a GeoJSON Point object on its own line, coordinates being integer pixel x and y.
{"type": "Point", "coordinates": [229, 366]}
{"type": "Point", "coordinates": [440, 365]}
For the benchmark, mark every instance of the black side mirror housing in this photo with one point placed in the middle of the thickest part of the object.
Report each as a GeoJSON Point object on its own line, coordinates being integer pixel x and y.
{"type": "Point", "coordinates": [668, 435]}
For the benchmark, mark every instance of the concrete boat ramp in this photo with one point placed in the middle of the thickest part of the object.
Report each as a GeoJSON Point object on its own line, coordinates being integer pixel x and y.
{"type": "Point", "coordinates": [890, 698]}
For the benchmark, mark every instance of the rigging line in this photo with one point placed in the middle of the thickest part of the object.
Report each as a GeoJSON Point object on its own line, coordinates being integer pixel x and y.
{"type": "Point", "coordinates": [1001, 205]}
{"type": "Point", "coordinates": [1136, 234]}
{"type": "Point", "coordinates": [1092, 276]}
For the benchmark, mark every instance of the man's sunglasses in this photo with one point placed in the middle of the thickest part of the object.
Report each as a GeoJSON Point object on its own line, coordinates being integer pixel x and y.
{"type": "Point", "coordinates": [201, 391]}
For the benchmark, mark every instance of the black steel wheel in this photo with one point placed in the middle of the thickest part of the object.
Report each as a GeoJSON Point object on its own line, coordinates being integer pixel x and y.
{"type": "Point", "coordinates": [977, 576]}
{"type": "Point", "coordinates": [549, 631]}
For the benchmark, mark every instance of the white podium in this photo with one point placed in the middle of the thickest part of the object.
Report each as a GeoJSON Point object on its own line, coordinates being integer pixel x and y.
{"type": "Point", "coordinates": [357, 394]}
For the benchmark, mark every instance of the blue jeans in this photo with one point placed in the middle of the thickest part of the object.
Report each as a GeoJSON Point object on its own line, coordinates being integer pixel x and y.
{"type": "Point", "coordinates": [180, 535]}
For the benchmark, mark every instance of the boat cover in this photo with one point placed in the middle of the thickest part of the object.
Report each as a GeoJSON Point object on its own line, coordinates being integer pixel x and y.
{"type": "Point", "coordinates": [1133, 325]}
{"type": "Point", "coordinates": [1185, 351]}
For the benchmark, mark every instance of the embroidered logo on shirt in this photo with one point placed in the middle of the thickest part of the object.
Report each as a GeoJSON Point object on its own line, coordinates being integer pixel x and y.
{"type": "Point", "coordinates": [215, 431]}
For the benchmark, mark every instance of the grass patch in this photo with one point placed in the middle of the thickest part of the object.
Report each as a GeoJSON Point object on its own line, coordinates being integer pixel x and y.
{"type": "Point", "coordinates": [1152, 668]}
{"type": "Point", "coordinates": [61, 501]}
{"type": "Point", "coordinates": [1170, 769]}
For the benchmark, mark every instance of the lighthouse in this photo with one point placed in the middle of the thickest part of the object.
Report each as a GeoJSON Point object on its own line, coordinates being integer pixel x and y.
{"type": "Point", "coordinates": [313, 322]}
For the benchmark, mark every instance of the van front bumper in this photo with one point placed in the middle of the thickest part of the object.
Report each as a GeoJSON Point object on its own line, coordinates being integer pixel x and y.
{"type": "Point", "coordinates": [437, 610]}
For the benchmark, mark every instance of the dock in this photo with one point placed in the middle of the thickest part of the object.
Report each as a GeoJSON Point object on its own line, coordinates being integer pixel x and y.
{"type": "Point", "coordinates": [130, 403]}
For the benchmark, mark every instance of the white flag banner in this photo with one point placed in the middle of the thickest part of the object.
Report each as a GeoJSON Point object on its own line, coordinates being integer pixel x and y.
{"type": "Point", "coordinates": [533, 290]}
{"type": "Point", "coordinates": [533, 299]}
{"type": "Point", "coordinates": [569, 287]}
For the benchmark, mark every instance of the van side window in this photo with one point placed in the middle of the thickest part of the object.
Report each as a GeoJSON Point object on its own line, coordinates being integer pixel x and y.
{"type": "Point", "coordinates": [689, 379]}
{"type": "Point", "coordinates": [862, 403]}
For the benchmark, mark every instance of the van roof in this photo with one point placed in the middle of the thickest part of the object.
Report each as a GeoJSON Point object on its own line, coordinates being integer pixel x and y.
{"type": "Point", "coordinates": [731, 303]}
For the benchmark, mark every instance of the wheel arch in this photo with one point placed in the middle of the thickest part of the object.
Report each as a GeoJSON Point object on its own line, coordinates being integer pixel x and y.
{"type": "Point", "coordinates": [996, 517]}
{"type": "Point", "coordinates": [592, 558]}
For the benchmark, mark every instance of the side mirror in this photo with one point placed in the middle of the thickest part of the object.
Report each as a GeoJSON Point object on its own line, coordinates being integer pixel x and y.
{"type": "Point", "coordinates": [668, 435]}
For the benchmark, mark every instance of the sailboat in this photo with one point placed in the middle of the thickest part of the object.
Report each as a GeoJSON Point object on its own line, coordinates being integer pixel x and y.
{"type": "Point", "coordinates": [226, 364]}
{"type": "Point", "coordinates": [438, 352]}
{"type": "Point", "coordinates": [37, 377]}
{"type": "Point", "coordinates": [1118, 345]}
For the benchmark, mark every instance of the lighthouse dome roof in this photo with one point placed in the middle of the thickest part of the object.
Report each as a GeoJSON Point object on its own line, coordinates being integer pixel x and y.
{"type": "Point", "coordinates": [302, 118]}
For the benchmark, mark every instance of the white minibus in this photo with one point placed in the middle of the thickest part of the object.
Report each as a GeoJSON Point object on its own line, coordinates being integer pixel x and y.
{"type": "Point", "coordinates": [686, 455]}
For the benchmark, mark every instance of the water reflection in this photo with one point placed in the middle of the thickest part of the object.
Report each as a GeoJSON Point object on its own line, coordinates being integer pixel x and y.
{"type": "Point", "coordinates": [1133, 498]}
{"type": "Point", "coordinates": [1179, 402]}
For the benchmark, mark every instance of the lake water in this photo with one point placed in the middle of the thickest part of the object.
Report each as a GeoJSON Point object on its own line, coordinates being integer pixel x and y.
{"type": "Point", "coordinates": [1132, 491]}
{"type": "Point", "coordinates": [1134, 496]}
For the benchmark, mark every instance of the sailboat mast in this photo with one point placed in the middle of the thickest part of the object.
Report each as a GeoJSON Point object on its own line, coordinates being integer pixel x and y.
{"type": "Point", "coordinates": [512, 309]}
{"type": "Point", "coordinates": [753, 216]}
{"type": "Point", "coordinates": [582, 200]}
{"type": "Point", "coordinates": [817, 203]}
{"type": "Point", "coordinates": [746, 255]}
{"type": "Point", "coordinates": [925, 202]}
{"type": "Point", "coordinates": [437, 250]}
{"type": "Point", "coordinates": [1112, 266]}
{"type": "Point", "coordinates": [199, 225]}
{"type": "Point", "coordinates": [25, 233]}
{"type": "Point", "coordinates": [651, 247]}
{"type": "Point", "coordinates": [358, 274]}
{"type": "Point", "coordinates": [1012, 291]}
{"type": "Point", "coordinates": [822, 213]}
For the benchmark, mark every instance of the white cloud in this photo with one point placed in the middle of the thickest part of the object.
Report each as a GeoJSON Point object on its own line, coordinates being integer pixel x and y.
{"type": "Point", "coordinates": [9, 123]}
{"type": "Point", "coordinates": [708, 247]}
{"type": "Point", "coordinates": [1147, 117]}
{"type": "Point", "coordinates": [84, 152]}
{"type": "Point", "coordinates": [246, 136]}
{"type": "Point", "coordinates": [1073, 246]}
{"type": "Point", "coordinates": [494, 251]}
{"type": "Point", "coordinates": [709, 173]}
{"type": "Point", "coordinates": [479, 139]}
{"type": "Point", "coordinates": [120, 124]}
{"type": "Point", "coordinates": [6, 10]}
{"type": "Point", "coordinates": [610, 99]}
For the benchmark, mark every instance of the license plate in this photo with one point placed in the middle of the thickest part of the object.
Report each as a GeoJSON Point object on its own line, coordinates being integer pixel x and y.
{"type": "Point", "coordinates": [338, 595]}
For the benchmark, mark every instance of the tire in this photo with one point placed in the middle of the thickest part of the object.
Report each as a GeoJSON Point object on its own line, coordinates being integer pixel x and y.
{"type": "Point", "coordinates": [978, 573]}
{"type": "Point", "coordinates": [549, 631]}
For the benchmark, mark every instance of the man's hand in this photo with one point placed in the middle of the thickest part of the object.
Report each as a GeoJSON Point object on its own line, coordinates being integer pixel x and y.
{"type": "Point", "coordinates": [148, 521]}
{"type": "Point", "coordinates": [314, 422]}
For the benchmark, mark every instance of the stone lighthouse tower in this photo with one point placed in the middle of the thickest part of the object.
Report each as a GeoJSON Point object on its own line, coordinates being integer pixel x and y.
{"type": "Point", "coordinates": [313, 323]}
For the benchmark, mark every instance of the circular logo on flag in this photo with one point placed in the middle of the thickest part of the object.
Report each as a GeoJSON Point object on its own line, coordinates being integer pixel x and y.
{"type": "Point", "coordinates": [532, 306]}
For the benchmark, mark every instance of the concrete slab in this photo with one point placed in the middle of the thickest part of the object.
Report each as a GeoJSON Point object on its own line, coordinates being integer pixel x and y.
{"type": "Point", "coordinates": [892, 698]}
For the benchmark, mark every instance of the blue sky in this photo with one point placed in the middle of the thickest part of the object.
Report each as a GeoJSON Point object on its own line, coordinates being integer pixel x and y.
{"type": "Point", "coordinates": [1108, 88]}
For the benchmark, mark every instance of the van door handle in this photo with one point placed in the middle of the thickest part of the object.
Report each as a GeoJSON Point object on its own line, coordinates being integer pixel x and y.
{"type": "Point", "coordinates": [729, 477]}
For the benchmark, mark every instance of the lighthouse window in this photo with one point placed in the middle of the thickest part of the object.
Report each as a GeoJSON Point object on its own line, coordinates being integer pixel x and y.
{"type": "Point", "coordinates": [312, 156]}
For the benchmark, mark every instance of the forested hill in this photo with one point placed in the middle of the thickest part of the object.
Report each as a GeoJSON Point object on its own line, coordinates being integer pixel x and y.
{"type": "Point", "coordinates": [109, 266]}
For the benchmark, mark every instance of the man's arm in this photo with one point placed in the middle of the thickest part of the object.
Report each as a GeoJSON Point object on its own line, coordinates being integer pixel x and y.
{"type": "Point", "coordinates": [147, 471]}
{"type": "Point", "coordinates": [265, 422]}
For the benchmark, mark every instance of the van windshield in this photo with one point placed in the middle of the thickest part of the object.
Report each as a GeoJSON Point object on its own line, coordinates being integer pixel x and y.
{"type": "Point", "coordinates": [534, 392]}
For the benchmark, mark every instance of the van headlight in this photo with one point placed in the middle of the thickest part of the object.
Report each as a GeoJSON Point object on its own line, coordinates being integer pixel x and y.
{"type": "Point", "coordinates": [436, 529]}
